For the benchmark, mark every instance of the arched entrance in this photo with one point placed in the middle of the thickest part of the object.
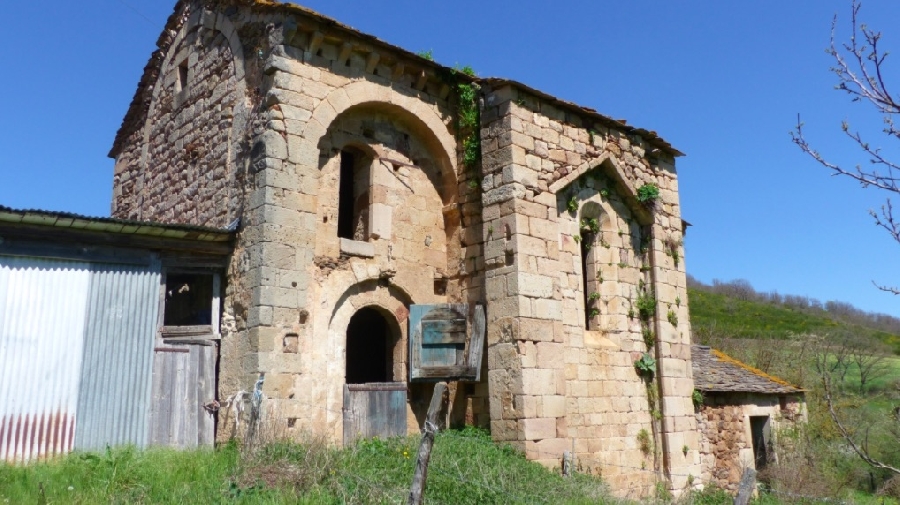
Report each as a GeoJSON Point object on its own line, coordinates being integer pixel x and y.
{"type": "Point", "coordinates": [370, 348]}
{"type": "Point", "coordinates": [374, 405]}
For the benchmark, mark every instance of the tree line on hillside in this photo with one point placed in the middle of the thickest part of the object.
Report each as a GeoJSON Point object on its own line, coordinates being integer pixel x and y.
{"type": "Point", "coordinates": [741, 289]}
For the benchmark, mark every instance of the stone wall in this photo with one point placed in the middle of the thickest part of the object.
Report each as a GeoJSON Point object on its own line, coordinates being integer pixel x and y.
{"type": "Point", "coordinates": [179, 164]}
{"type": "Point", "coordinates": [723, 421]}
{"type": "Point", "coordinates": [557, 380]}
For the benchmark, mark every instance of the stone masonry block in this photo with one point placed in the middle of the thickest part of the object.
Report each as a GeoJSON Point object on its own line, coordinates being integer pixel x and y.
{"type": "Point", "coordinates": [380, 221]}
{"type": "Point", "coordinates": [539, 429]}
{"type": "Point", "coordinates": [538, 286]}
{"type": "Point", "coordinates": [553, 406]}
{"type": "Point", "coordinates": [550, 355]}
{"type": "Point", "coordinates": [538, 381]}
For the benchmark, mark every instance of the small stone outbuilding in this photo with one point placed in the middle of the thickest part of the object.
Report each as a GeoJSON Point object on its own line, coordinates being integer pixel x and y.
{"type": "Point", "coordinates": [742, 411]}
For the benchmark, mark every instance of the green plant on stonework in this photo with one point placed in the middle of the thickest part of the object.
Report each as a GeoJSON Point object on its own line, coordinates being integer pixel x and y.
{"type": "Point", "coordinates": [590, 224]}
{"type": "Point", "coordinates": [685, 449]}
{"type": "Point", "coordinates": [648, 193]}
{"type": "Point", "coordinates": [572, 204]}
{"type": "Point", "coordinates": [646, 305]}
{"type": "Point", "coordinates": [672, 317]}
{"type": "Point", "coordinates": [644, 442]}
{"type": "Point", "coordinates": [469, 118]}
{"type": "Point", "coordinates": [622, 264]}
{"type": "Point", "coordinates": [576, 238]}
{"type": "Point", "coordinates": [468, 70]}
{"type": "Point", "coordinates": [604, 192]}
{"type": "Point", "coordinates": [697, 398]}
{"type": "Point", "coordinates": [593, 296]}
{"type": "Point", "coordinates": [594, 313]}
{"type": "Point", "coordinates": [631, 313]}
{"type": "Point", "coordinates": [428, 55]}
{"type": "Point", "coordinates": [649, 336]}
{"type": "Point", "coordinates": [646, 366]}
{"type": "Point", "coordinates": [678, 301]}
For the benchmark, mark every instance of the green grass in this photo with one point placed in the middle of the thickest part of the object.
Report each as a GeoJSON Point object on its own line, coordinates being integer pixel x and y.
{"type": "Point", "coordinates": [466, 467]}
{"type": "Point", "coordinates": [727, 316]}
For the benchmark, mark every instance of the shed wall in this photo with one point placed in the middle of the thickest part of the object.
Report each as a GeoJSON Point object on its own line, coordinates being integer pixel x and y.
{"type": "Point", "coordinates": [43, 307]}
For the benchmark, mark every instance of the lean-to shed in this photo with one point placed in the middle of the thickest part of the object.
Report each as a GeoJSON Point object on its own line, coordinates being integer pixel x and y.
{"type": "Point", "coordinates": [85, 359]}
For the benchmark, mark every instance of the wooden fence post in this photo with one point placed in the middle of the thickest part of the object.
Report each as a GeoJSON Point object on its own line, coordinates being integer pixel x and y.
{"type": "Point", "coordinates": [748, 484]}
{"type": "Point", "coordinates": [435, 409]}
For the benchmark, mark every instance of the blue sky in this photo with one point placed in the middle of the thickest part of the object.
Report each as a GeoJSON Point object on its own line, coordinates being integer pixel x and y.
{"type": "Point", "coordinates": [722, 81]}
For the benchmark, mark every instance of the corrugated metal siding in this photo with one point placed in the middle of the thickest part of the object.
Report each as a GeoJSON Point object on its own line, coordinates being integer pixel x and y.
{"type": "Point", "coordinates": [120, 330]}
{"type": "Point", "coordinates": [42, 314]}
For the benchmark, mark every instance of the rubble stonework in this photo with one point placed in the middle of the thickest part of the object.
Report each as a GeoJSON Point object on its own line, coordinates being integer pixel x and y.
{"type": "Point", "coordinates": [251, 111]}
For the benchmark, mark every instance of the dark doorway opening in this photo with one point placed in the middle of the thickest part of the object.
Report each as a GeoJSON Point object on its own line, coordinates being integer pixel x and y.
{"type": "Point", "coordinates": [759, 430]}
{"type": "Point", "coordinates": [369, 348]}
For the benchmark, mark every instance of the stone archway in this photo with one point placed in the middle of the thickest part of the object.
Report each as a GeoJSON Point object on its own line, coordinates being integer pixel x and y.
{"type": "Point", "coordinates": [370, 348]}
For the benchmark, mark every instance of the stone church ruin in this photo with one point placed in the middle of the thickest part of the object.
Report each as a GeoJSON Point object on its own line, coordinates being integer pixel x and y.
{"type": "Point", "coordinates": [399, 222]}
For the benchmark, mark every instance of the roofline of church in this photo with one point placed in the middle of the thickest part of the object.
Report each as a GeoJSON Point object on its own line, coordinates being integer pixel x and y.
{"type": "Point", "coordinates": [140, 102]}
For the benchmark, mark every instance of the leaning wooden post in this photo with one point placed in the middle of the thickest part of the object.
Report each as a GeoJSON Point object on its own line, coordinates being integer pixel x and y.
{"type": "Point", "coordinates": [745, 490]}
{"type": "Point", "coordinates": [435, 409]}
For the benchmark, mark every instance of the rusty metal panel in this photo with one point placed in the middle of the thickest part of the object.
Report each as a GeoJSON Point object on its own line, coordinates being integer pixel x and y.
{"type": "Point", "coordinates": [120, 332]}
{"type": "Point", "coordinates": [42, 315]}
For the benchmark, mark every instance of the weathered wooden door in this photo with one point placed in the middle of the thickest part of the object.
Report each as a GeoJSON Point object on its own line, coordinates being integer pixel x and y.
{"type": "Point", "coordinates": [184, 377]}
{"type": "Point", "coordinates": [376, 409]}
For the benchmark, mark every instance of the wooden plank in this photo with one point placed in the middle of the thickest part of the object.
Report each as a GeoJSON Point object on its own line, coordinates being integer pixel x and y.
{"type": "Point", "coordinates": [349, 417]}
{"type": "Point", "coordinates": [191, 404]}
{"type": "Point", "coordinates": [447, 372]}
{"type": "Point", "coordinates": [216, 302]}
{"type": "Point", "coordinates": [187, 331]}
{"type": "Point", "coordinates": [439, 400]}
{"type": "Point", "coordinates": [452, 331]}
{"type": "Point", "coordinates": [475, 350]}
{"type": "Point", "coordinates": [746, 487]}
{"type": "Point", "coordinates": [377, 386]}
{"type": "Point", "coordinates": [169, 349]}
{"type": "Point", "coordinates": [206, 427]}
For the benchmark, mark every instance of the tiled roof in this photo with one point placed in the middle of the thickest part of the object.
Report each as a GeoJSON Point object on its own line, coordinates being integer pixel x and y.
{"type": "Point", "coordinates": [715, 371]}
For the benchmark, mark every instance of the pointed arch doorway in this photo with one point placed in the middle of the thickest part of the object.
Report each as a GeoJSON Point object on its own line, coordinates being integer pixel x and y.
{"type": "Point", "coordinates": [374, 404]}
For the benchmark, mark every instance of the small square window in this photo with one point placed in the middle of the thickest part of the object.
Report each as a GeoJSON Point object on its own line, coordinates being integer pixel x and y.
{"type": "Point", "coordinates": [190, 306]}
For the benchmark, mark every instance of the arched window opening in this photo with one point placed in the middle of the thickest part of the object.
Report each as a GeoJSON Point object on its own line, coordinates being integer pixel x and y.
{"type": "Point", "coordinates": [586, 239]}
{"type": "Point", "coordinates": [369, 348]}
{"type": "Point", "coordinates": [346, 198]}
{"type": "Point", "coordinates": [589, 233]}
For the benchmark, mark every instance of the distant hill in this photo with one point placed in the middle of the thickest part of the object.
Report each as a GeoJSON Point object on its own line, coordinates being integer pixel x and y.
{"type": "Point", "coordinates": [734, 309]}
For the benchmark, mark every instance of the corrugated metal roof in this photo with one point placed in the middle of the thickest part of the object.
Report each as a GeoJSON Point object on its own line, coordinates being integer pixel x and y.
{"type": "Point", "coordinates": [113, 225]}
{"type": "Point", "coordinates": [715, 371]}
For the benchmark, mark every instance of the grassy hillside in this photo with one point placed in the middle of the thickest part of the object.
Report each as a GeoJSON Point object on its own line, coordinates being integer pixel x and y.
{"type": "Point", "coordinates": [729, 317]}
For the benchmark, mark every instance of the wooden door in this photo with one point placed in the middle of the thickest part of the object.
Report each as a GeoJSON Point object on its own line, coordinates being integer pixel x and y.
{"type": "Point", "coordinates": [184, 379]}
{"type": "Point", "coordinates": [375, 409]}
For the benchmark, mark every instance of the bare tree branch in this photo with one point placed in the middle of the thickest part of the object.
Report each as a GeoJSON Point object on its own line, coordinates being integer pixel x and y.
{"type": "Point", "coordinates": [860, 451]}
{"type": "Point", "coordinates": [859, 65]}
